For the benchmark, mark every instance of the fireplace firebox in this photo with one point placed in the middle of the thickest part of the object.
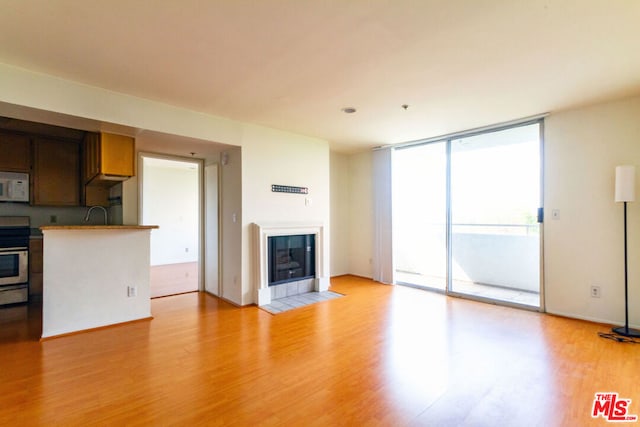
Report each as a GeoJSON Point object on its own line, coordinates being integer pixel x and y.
{"type": "Point", "coordinates": [291, 258]}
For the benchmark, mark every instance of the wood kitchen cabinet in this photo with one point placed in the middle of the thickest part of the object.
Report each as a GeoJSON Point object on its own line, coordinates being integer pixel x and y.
{"type": "Point", "coordinates": [35, 266]}
{"type": "Point", "coordinates": [108, 158]}
{"type": "Point", "coordinates": [56, 172]}
{"type": "Point", "coordinates": [96, 196]}
{"type": "Point", "coordinates": [15, 152]}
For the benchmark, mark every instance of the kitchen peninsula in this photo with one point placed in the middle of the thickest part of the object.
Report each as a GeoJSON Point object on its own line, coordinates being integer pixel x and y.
{"type": "Point", "coordinates": [94, 276]}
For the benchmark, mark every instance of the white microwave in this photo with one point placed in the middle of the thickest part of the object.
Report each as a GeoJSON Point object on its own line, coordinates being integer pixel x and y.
{"type": "Point", "coordinates": [14, 187]}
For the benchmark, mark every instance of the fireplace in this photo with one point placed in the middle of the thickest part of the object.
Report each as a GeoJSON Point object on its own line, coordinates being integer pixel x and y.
{"type": "Point", "coordinates": [291, 258]}
{"type": "Point", "coordinates": [312, 277]}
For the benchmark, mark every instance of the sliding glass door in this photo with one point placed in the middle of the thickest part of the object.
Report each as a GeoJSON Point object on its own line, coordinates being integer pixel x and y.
{"type": "Point", "coordinates": [495, 235]}
{"type": "Point", "coordinates": [465, 215]}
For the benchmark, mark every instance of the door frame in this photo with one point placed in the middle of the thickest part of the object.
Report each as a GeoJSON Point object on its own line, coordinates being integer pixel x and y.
{"type": "Point", "coordinates": [201, 213]}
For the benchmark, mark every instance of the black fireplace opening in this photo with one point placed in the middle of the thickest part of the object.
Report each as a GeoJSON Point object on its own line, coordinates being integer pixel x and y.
{"type": "Point", "coordinates": [291, 258]}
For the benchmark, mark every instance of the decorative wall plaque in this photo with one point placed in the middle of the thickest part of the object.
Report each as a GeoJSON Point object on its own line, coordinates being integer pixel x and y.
{"type": "Point", "coordinates": [289, 189]}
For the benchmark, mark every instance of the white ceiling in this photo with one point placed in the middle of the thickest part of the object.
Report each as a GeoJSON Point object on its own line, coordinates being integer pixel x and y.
{"type": "Point", "coordinates": [293, 64]}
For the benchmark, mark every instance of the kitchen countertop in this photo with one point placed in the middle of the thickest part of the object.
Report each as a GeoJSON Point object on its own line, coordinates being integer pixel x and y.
{"type": "Point", "coordinates": [98, 227]}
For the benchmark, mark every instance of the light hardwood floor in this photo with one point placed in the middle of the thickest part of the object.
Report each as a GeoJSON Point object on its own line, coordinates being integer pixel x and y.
{"type": "Point", "coordinates": [172, 279]}
{"type": "Point", "coordinates": [381, 355]}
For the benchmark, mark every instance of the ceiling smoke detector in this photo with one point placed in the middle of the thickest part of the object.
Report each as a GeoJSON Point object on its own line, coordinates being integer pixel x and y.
{"type": "Point", "coordinates": [348, 110]}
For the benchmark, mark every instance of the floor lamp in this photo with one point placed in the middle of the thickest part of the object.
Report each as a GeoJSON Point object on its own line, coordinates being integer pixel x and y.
{"type": "Point", "coordinates": [625, 192]}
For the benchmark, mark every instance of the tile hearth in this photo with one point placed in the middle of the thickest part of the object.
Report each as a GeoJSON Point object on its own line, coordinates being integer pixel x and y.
{"type": "Point", "coordinates": [281, 305]}
{"type": "Point", "coordinates": [292, 288]}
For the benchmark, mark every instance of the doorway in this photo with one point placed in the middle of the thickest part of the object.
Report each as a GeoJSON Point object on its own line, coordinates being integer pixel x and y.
{"type": "Point", "coordinates": [466, 215]}
{"type": "Point", "coordinates": [171, 191]}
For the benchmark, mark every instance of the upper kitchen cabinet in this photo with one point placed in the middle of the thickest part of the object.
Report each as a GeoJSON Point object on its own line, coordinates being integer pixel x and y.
{"type": "Point", "coordinates": [108, 158]}
{"type": "Point", "coordinates": [56, 172]}
{"type": "Point", "coordinates": [15, 152]}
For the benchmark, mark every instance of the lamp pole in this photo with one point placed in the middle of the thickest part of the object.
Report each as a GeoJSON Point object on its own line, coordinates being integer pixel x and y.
{"type": "Point", "coordinates": [625, 189]}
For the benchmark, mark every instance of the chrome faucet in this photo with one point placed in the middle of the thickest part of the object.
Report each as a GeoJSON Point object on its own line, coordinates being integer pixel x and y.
{"type": "Point", "coordinates": [86, 217]}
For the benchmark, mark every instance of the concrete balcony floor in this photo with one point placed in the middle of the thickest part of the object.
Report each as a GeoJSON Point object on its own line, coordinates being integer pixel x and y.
{"type": "Point", "coordinates": [504, 294]}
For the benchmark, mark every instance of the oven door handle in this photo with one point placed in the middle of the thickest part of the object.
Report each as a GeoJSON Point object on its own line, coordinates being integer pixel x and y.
{"type": "Point", "coordinates": [9, 251]}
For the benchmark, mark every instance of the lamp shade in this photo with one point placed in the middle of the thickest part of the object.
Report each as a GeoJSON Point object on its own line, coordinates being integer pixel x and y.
{"type": "Point", "coordinates": [625, 183]}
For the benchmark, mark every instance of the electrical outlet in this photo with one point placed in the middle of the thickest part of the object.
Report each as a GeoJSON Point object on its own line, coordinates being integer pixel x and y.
{"type": "Point", "coordinates": [132, 291]}
{"type": "Point", "coordinates": [53, 219]}
{"type": "Point", "coordinates": [595, 291]}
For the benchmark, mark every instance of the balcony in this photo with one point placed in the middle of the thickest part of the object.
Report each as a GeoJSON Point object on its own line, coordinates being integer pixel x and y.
{"type": "Point", "coordinates": [493, 261]}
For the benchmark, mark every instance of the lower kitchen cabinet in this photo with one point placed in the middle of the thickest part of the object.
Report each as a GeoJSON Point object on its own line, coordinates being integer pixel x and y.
{"type": "Point", "coordinates": [35, 267]}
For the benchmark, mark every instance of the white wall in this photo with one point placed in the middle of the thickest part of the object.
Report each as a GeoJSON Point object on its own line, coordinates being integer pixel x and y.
{"type": "Point", "coordinates": [211, 227]}
{"type": "Point", "coordinates": [340, 205]}
{"type": "Point", "coordinates": [352, 214]}
{"type": "Point", "coordinates": [231, 225]}
{"type": "Point", "coordinates": [585, 246]}
{"type": "Point", "coordinates": [171, 200]}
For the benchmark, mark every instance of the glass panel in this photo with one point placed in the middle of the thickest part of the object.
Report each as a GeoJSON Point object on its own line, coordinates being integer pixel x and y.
{"type": "Point", "coordinates": [495, 194]}
{"type": "Point", "coordinates": [419, 215]}
{"type": "Point", "coordinates": [9, 265]}
{"type": "Point", "coordinates": [291, 258]}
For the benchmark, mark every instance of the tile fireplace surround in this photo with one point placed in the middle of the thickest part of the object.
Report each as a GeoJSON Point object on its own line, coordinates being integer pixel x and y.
{"type": "Point", "coordinates": [261, 234]}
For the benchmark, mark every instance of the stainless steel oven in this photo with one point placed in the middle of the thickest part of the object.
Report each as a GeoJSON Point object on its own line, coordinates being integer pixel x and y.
{"type": "Point", "coordinates": [14, 266]}
{"type": "Point", "coordinates": [14, 259]}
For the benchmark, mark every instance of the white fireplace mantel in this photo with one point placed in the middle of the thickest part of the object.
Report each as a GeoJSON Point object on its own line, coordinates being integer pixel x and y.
{"type": "Point", "coordinates": [261, 234]}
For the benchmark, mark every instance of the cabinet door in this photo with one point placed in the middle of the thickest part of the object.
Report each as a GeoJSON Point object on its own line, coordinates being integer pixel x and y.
{"type": "Point", "coordinates": [96, 195]}
{"type": "Point", "coordinates": [56, 173]}
{"type": "Point", "coordinates": [91, 156]}
{"type": "Point", "coordinates": [117, 154]}
{"type": "Point", "coordinates": [15, 153]}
